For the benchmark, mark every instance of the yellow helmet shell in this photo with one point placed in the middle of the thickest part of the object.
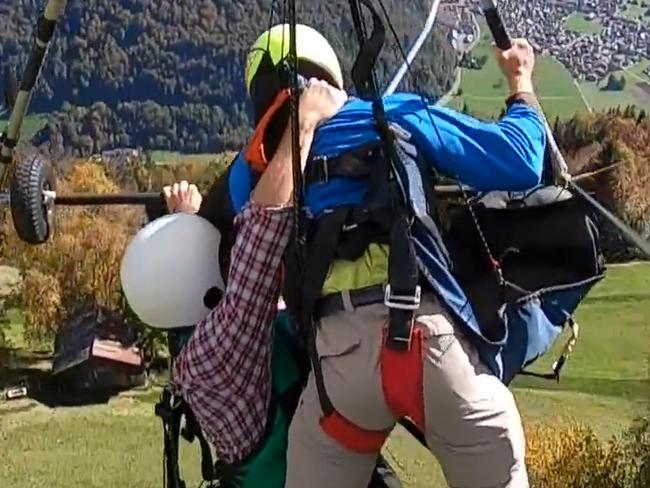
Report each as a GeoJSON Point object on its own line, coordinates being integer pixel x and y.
{"type": "Point", "coordinates": [310, 46]}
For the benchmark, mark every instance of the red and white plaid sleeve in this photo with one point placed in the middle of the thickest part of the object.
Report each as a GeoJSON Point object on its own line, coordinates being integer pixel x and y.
{"type": "Point", "coordinates": [224, 371]}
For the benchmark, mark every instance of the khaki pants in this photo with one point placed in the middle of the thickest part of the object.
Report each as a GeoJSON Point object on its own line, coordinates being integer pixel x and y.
{"type": "Point", "coordinates": [472, 424]}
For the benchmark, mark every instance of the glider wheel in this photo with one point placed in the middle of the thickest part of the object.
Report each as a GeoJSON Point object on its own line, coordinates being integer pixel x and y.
{"type": "Point", "coordinates": [30, 210]}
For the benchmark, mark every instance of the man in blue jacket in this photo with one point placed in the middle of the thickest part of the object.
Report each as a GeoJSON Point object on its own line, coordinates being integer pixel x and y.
{"type": "Point", "coordinates": [392, 333]}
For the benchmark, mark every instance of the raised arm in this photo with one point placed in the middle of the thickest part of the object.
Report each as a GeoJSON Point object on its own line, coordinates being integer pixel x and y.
{"type": "Point", "coordinates": [503, 155]}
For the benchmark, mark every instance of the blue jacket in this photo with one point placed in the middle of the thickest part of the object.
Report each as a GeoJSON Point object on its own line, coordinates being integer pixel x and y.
{"type": "Point", "coordinates": [506, 155]}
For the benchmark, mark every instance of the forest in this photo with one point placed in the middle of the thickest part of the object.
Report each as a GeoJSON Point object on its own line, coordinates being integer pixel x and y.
{"type": "Point", "coordinates": [169, 75]}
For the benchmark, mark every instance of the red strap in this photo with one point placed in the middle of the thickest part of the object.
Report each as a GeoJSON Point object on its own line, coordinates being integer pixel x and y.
{"type": "Point", "coordinates": [402, 382]}
{"type": "Point", "coordinates": [255, 154]}
{"type": "Point", "coordinates": [351, 436]}
{"type": "Point", "coordinates": [402, 379]}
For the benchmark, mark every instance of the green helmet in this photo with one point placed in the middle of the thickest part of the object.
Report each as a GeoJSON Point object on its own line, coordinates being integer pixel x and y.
{"type": "Point", "coordinates": [311, 47]}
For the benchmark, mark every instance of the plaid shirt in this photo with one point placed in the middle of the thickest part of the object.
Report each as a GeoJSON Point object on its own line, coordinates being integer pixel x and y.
{"type": "Point", "coordinates": [224, 370]}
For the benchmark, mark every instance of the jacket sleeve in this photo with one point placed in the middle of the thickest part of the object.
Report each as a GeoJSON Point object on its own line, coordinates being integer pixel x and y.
{"type": "Point", "coordinates": [506, 155]}
{"type": "Point", "coordinates": [223, 372]}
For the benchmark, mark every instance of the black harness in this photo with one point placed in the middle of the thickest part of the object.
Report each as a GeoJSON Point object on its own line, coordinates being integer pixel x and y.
{"type": "Point", "coordinates": [346, 232]}
{"type": "Point", "coordinates": [172, 410]}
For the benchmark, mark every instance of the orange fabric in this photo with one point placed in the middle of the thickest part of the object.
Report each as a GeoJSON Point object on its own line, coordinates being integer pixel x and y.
{"type": "Point", "coordinates": [255, 154]}
{"type": "Point", "coordinates": [351, 436]}
{"type": "Point", "coordinates": [402, 379]}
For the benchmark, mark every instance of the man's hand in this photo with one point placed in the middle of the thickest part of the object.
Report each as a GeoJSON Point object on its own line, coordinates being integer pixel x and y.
{"type": "Point", "coordinates": [319, 102]}
{"type": "Point", "coordinates": [517, 65]}
{"type": "Point", "coordinates": [182, 197]}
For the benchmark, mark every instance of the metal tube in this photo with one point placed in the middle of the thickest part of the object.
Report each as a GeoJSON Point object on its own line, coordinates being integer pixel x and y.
{"type": "Point", "coordinates": [44, 32]}
{"type": "Point", "coordinates": [627, 232]}
{"type": "Point", "coordinates": [81, 199]}
{"type": "Point", "coordinates": [413, 52]}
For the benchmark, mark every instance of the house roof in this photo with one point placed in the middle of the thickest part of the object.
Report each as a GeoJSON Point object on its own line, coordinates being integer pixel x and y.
{"type": "Point", "coordinates": [95, 334]}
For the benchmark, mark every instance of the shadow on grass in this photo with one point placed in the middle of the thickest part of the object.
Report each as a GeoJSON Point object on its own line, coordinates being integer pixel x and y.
{"type": "Point", "coordinates": [635, 390]}
{"type": "Point", "coordinates": [54, 390]}
{"type": "Point", "coordinates": [79, 386]}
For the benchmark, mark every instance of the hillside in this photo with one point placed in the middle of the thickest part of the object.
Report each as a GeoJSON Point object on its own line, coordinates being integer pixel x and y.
{"type": "Point", "coordinates": [168, 75]}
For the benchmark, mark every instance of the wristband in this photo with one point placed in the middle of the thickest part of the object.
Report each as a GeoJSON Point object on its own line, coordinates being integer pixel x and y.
{"type": "Point", "coordinates": [527, 98]}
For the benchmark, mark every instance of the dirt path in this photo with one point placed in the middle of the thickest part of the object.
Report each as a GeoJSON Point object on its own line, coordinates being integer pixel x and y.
{"type": "Point", "coordinates": [582, 95]}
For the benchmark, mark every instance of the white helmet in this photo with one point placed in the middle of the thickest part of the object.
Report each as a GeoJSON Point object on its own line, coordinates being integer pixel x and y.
{"type": "Point", "coordinates": [169, 269]}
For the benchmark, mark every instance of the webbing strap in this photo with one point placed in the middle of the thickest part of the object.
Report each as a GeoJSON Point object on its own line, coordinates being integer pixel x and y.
{"type": "Point", "coordinates": [171, 418]}
{"type": "Point", "coordinates": [402, 296]}
{"type": "Point", "coordinates": [354, 164]}
{"type": "Point", "coordinates": [322, 249]}
{"type": "Point", "coordinates": [362, 70]}
{"type": "Point", "coordinates": [193, 431]}
{"type": "Point", "coordinates": [402, 293]}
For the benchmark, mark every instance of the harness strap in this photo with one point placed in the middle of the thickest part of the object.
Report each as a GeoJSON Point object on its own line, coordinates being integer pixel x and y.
{"type": "Point", "coordinates": [401, 378]}
{"type": "Point", "coordinates": [402, 384]}
{"type": "Point", "coordinates": [256, 155]}
{"type": "Point", "coordinates": [170, 415]}
{"type": "Point", "coordinates": [323, 245]}
{"type": "Point", "coordinates": [403, 292]}
{"type": "Point", "coordinates": [192, 431]}
{"type": "Point", "coordinates": [351, 436]}
{"type": "Point", "coordinates": [348, 300]}
{"type": "Point", "coordinates": [362, 70]}
{"type": "Point", "coordinates": [355, 164]}
{"type": "Point", "coordinates": [171, 410]}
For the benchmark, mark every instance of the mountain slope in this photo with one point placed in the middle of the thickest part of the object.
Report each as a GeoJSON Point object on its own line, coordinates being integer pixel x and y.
{"type": "Point", "coordinates": [168, 74]}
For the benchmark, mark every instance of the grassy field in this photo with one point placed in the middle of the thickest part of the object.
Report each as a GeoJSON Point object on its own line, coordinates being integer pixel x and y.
{"type": "Point", "coordinates": [632, 94]}
{"type": "Point", "coordinates": [635, 12]}
{"type": "Point", "coordinates": [484, 90]}
{"type": "Point", "coordinates": [171, 157]}
{"type": "Point", "coordinates": [31, 125]}
{"type": "Point", "coordinates": [579, 23]}
{"type": "Point", "coordinates": [119, 444]}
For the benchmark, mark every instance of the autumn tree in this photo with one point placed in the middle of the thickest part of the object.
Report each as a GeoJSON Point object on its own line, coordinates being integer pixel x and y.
{"type": "Point", "coordinates": [616, 140]}
{"type": "Point", "coordinates": [79, 266]}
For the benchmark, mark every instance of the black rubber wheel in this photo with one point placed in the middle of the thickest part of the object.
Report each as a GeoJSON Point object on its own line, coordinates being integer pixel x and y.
{"type": "Point", "coordinates": [31, 217]}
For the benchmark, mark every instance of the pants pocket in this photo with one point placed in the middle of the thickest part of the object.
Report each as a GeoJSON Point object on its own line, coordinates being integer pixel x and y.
{"type": "Point", "coordinates": [439, 336]}
{"type": "Point", "coordinates": [348, 348]}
